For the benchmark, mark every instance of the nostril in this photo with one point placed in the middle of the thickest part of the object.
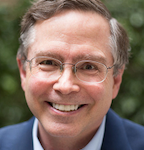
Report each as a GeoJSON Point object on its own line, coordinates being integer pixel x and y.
{"type": "Point", "coordinates": [66, 87]}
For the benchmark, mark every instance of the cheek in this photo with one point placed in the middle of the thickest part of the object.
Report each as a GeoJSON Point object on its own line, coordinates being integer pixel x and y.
{"type": "Point", "coordinates": [37, 87]}
{"type": "Point", "coordinates": [35, 91]}
{"type": "Point", "coordinates": [94, 93]}
{"type": "Point", "coordinates": [101, 94]}
{"type": "Point", "coordinates": [34, 87]}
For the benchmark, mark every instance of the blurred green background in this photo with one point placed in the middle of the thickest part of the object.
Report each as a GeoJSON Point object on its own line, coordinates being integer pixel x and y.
{"type": "Point", "coordinates": [128, 104]}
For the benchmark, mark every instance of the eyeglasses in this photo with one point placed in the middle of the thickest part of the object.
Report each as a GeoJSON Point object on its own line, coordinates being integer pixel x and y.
{"type": "Point", "coordinates": [51, 68]}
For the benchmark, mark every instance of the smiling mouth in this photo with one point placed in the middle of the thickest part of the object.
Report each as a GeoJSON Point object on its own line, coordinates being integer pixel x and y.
{"type": "Point", "coordinates": [65, 108]}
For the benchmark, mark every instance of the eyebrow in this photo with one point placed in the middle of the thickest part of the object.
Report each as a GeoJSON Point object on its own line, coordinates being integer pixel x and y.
{"type": "Point", "coordinates": [50, 54]}
{"type": "Point", "coordinates": [82, 56]}
{"type": "Point", "coordinates": [93, 57]}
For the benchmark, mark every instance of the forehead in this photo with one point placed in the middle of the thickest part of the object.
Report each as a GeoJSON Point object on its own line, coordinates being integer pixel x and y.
{"type": "Point", "coordinates": [72, 33]}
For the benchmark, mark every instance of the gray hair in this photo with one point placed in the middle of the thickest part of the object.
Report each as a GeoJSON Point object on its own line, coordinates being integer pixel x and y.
{"type": "Point", "coordinates": [45, 9]}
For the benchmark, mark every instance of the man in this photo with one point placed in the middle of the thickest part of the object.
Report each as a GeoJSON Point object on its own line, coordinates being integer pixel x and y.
{"type": "Point", "coordinates": [71, 60]}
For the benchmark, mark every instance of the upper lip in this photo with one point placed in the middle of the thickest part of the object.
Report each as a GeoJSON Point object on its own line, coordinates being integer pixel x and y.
{"type": "Point", "coordinates": [63, 102]}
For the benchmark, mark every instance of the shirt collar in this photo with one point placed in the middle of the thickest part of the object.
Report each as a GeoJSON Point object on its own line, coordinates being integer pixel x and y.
{"type": "Point", "coordinates": [36, 142]}
{"type": "Point", "coordinates": [94, 144]}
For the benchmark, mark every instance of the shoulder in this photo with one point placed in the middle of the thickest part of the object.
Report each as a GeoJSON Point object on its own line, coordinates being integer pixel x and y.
{"type": "Point", "coordinates": [17, 128]}
{"type": "Point", "coordinates": [125, 133]}
{"type": "Point", "coordinates": [130, 127]}
{"type": "Point", "coordinates": [134, 132]}
{"type": "Point", "coordinates": [16, 134]}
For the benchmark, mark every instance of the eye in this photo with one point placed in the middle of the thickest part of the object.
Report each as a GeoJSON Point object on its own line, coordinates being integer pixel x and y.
{"type": "Point", "coordinates": [88, 67]}
{"type": "Point", "coordinates": [49, 62]}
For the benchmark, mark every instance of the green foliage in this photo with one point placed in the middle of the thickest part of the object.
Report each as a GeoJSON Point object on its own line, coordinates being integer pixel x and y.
{"type": "Point", "coordinates": [12, 102]}
{"type": "Point", "coordinates": [129, 103]}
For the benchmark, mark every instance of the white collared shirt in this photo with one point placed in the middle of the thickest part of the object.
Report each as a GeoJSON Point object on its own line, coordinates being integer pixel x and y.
{"type": "Point", "coordinates": [94, 144]}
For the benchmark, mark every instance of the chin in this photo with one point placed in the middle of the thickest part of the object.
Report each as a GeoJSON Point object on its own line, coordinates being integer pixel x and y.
{"type": "Point", "coordinates": [59, 130]}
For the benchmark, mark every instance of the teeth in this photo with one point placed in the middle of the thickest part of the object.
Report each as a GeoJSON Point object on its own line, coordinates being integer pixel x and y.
{"type": "Point", "coordinates": [65, 107]}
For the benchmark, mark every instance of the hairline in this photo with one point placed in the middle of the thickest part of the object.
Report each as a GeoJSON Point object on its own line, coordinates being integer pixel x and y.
{"type": "Point", "coordinates": [31, 31]}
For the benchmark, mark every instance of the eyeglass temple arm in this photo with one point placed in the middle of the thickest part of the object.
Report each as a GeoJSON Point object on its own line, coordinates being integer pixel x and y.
{"type": "Point", "coordinates": [110, 67]}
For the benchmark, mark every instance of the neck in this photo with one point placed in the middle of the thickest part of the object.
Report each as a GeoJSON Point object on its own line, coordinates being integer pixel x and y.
{"type": "Point", "coordinates": [50, 142]}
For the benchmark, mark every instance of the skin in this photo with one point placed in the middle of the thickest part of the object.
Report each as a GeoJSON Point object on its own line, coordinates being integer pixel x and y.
{"type": "Point", "coordinates": [70, 36]}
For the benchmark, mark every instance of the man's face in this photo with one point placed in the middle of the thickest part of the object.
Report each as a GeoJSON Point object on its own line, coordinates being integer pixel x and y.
{"type": "Point", "coordinates": [70, 36]}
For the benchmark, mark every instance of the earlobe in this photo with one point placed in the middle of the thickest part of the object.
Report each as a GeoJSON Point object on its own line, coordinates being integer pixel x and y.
{"type": "Point", "coordinates": [22, 73]}
{"type": "Point", "coordinates": [117, 82]}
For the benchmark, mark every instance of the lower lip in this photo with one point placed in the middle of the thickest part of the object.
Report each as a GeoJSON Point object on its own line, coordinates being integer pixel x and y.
{"type": "Point", "coordinates": [58, 112]}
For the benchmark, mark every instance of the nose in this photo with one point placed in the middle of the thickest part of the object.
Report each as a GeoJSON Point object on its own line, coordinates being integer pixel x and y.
{"type": "Point", "coordinates": [67, 83]}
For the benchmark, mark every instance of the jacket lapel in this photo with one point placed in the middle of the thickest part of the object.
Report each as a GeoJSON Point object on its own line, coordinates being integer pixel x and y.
{"type": "Point", "coordinates": [115, 137]}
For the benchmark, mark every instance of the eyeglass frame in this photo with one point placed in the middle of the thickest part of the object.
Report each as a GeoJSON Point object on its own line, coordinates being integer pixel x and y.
{"type": "Point", "coordinates": [74, 66]}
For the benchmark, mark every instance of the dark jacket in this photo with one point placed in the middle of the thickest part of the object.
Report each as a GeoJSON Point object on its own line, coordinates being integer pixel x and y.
{"type": "Point", "coordinates": [120, 134]}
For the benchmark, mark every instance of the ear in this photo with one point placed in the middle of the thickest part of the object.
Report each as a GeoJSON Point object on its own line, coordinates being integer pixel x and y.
{"type": "Point", "coordinates": [117, 82]}
{"type": "Point", "coordinates": [22, 73]}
